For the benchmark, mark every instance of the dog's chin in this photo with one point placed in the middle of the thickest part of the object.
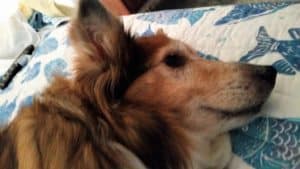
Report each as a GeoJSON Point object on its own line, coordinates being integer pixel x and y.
{"type": "Point", "coordinates": [252, 110]}
{"type": "Point", "coordinates": [236, 119]}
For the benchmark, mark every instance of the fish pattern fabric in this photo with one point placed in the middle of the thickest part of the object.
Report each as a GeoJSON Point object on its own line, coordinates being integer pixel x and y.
{"type": "Point", "coordinates": [275, 145]}
{"type": "Point", "coordinates": [288, 49]}
{"type": "Point", "coordinates": [238, 14]}
{"type": "Point", "coordinates": [50, 57]}
{"type": "Point", "coordinates": [262, 33]}
{"type": "Point", "coordinates": [172, 17]}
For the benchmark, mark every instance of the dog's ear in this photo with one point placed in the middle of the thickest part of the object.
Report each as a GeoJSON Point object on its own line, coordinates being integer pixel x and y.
{"type": "Point", "coordinates": [97, 33]}
{"type": "Point", "coordinates": [106, 61]}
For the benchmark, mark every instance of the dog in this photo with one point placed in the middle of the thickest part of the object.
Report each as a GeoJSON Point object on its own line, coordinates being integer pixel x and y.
{"type": "Point", "coordinates": [134, 103]}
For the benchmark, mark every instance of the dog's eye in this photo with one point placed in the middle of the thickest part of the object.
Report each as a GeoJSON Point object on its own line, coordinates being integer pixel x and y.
{"type": "Point", "coordinates": [174, 60]}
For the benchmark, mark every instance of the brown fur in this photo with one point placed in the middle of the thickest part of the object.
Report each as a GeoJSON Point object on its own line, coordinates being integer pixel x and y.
{"type": "Point", "coordinates": [133, 103]}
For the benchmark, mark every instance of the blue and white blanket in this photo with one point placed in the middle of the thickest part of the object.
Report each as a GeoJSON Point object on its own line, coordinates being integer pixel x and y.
{"type": "Point", "coordinates": [263, 33]}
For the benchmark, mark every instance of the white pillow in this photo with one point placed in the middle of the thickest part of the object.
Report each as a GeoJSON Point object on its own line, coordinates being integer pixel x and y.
{"type": "Point", "coordinates": [16, 35]}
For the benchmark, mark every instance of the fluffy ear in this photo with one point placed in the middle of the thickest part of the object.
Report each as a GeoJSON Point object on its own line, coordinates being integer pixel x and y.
{"type": "Point", "coordinates": [96, 33]}
{"type": "Point", "coordinates": [106, 61]}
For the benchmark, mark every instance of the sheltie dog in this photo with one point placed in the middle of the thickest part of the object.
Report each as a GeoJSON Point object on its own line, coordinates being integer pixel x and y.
{"type": "Point", "coordinates": [134, 103]}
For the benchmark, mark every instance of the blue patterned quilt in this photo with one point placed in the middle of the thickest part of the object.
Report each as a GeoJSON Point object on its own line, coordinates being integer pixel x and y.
{"type": "Point", "coordinates": [263, 33]}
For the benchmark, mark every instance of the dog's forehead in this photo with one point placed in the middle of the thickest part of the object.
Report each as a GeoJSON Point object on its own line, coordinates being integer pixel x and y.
{"type": "Point", "coordinates": [154, 42]}
{"type": "Point", "coordinates": [159, 46]}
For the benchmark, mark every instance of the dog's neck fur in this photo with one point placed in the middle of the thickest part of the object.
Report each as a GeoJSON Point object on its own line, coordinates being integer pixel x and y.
{"type": "Point", "coordinates": [153, 138]}
{"type": "Point", "coordinates": [158, 132]}
{"type": "Point", "coordinates": [168, 149]}
{"type": "Point", "coordinates": [210, 153]}
{"type": "Point", "coordinates": [150, 138]}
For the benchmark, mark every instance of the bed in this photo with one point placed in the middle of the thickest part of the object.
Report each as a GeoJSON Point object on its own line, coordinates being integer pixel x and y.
{"type": "Point", "coordinates": [261, 33]}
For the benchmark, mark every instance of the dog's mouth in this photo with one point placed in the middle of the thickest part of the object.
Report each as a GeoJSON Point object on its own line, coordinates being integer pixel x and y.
{"type": "Point", "coordinates": [248, 111]}
{"type": "Point", "coordinates": [264, 77]}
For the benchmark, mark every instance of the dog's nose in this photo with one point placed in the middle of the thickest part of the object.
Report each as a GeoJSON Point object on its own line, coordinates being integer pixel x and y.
{"type": "Point", "coordinates": [267, 73]}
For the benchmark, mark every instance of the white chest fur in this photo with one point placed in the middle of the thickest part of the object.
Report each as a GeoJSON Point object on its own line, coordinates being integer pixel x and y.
{"type": "Point", "coordinates": [211, 154]}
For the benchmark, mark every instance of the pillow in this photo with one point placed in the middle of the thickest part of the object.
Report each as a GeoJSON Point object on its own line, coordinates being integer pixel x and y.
{"type": "Point", "coordinates": [51, 7]}
{"type": "Point", "coordinates": [18, 35]}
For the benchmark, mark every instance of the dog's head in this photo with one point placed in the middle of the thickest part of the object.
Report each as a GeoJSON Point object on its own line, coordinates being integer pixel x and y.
{"type": "Point", "coordinates": [163, 74]}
